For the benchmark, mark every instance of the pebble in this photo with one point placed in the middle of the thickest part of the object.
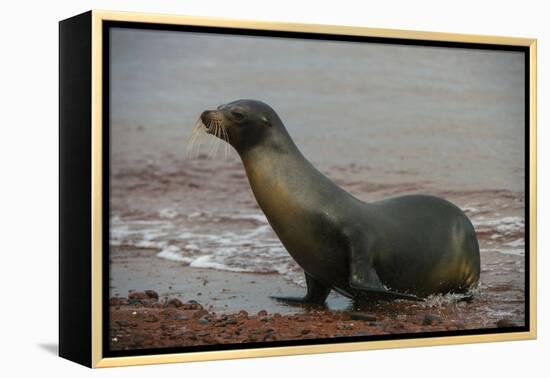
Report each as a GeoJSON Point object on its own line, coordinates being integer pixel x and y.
{"type": "Point", "coordinates": [243, 314]}
{"type": "Point", "coordinates": [137, 295]}
{"type": "Point", "coordinates": [262, 313]}
{"type": "Point", "coordinates": [152, 294]}
{"type": "Point", "coordinates": [174, 302]}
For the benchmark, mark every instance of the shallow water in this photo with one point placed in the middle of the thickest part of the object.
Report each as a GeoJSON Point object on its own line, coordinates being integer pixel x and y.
{"type": "Point", "coordinates": [380, 120]}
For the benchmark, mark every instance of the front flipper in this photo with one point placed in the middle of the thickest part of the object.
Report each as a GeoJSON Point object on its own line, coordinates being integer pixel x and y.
{"type": "Point", "coordinates": [317, 293]}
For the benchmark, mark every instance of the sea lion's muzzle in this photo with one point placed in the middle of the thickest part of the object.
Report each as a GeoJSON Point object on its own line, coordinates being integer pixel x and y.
{"type": "Point", "coordinates": [209, 118]}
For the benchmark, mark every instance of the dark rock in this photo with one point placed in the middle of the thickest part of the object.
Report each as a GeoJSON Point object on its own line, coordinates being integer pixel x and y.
{"type": "Point", "coordinates": [262, 313]}
{"type": "Point", "coordinates": [152, 294]}
{"type": "Point", "coordinates": [361, 333]}
{"type": "Point", "coordinates": [243, 314]}
{"type": "Point", "coordinates": [305, 331]}
{"type": "Point", "coordinates": [174, 302]}
{"type": "Point", "coordinates": [137, 295]}
{"type": "Point", "coordinates": [192, 305]}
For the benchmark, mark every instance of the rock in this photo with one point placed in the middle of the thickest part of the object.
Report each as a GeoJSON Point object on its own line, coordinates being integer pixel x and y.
{"type": "Point", "coordinates": [192, 305]}
{"type": "Point", "coordinates": [506, 323]}
{"type": "Point", "coordinates": [264, 319]}
{"type": "Point", "coordinates": [174, 302]}
{"type": "Point", "coordinates": [200, 313]}
{"type": "Point", "coordinates": [362, 316]}
{"type": "Point", "coordinates": [152, 294]}
{"type": "Point", "coordinates": [361, 333]}
{"type": "Point", "coordinates": [430, 320]}
{"type": "Point", "coordinates": [137, 295]}
{"type": "Point", "coordinates": [243, 314]}
{"type": "Point", "coordinates": [122, 323]}
{"type": "Point", "coordinates": [262, 313]}
{"type": "Point", "coordinates": [305, 331]}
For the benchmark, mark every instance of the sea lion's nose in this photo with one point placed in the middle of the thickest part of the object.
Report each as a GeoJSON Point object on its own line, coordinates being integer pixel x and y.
{"type": "Point", "coordinates": [206, 115]}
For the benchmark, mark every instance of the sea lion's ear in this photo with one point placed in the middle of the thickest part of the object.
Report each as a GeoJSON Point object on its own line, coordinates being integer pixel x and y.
{"type": "Point", "coordinates": [265, 121]}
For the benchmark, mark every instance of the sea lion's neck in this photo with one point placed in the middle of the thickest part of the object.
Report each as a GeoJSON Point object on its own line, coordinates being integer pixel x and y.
{"type": "Point", "coordinates": [283, 181]}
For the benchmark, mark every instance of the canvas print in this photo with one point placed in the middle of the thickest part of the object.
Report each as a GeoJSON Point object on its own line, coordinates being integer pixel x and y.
{"type": "Point", "coordinates": [268, 190]}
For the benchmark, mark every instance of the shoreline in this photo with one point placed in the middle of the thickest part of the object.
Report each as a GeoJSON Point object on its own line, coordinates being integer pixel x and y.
{"type": "Point", "coordinates": [134, 269]}
{"type": "Point", "coordinates": [157, 303]}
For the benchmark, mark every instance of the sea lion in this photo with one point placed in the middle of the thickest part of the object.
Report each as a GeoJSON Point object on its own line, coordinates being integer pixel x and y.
{"type": "Point", "coordinates": [404, 247]}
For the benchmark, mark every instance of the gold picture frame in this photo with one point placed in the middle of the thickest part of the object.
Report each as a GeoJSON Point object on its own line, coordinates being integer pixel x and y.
{"type": "Point", "coordinates": [86, 32]}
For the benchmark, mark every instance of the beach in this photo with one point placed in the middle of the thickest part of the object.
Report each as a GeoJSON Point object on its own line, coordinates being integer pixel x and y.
{"type": "Point", "coordinates": [153, 252]}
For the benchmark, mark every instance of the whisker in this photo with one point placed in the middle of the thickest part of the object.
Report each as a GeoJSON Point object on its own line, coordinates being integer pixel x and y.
{"type": "Point", "coordinates": [196, 134]}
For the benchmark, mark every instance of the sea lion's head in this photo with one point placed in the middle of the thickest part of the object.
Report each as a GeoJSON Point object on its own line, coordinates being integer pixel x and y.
{"type": "Point", "coordinates": [242, 123]}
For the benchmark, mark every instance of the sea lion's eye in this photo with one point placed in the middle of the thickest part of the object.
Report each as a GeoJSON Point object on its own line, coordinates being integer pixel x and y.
{"type": "Point", "coordinates": [237, 115]}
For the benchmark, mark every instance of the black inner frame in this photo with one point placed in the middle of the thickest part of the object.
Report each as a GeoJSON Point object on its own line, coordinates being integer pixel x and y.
{"type": "Point", "coordinates": [107, 25]}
